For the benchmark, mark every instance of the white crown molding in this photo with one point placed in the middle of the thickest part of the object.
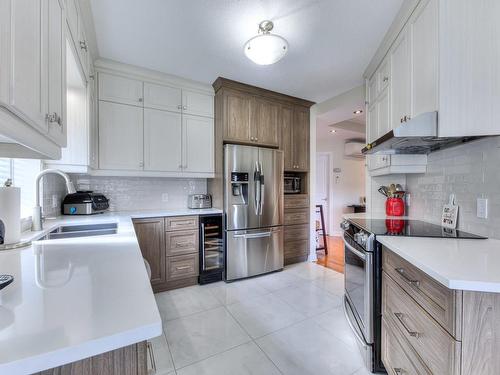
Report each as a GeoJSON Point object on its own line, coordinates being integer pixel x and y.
{"type": "Point", "coordinates": [148, 75]}
{"type": "Point", "coordinates": [88, 20]}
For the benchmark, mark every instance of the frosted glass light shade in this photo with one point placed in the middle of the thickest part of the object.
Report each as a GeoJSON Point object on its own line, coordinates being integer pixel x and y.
{"type": "Point", "coordinates": [266, 49]}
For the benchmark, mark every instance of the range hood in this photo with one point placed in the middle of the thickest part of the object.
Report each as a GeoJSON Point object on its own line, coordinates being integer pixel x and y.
{"type": "Point", "coordinates": [416, 136]}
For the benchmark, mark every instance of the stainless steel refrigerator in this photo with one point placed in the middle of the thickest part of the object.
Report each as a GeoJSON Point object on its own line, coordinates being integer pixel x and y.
{"type": "Point", "coordinates": [253, 204]}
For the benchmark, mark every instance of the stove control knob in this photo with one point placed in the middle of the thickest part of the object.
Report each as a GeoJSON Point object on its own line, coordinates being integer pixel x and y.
{"type": "Point", "coordinates": [345, 225]}
{"type": "Point", "coordinates": [363, 238]}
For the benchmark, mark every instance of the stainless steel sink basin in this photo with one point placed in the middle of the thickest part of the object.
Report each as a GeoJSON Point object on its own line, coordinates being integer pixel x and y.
{"type": "Point", "coordinates": [82, 230]}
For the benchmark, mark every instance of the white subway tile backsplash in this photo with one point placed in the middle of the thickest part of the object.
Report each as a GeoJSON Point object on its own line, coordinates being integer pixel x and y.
{"type": "Point", "coordinates": [470, 171]}
{"type": "Point", "coordinates": [129, 193]}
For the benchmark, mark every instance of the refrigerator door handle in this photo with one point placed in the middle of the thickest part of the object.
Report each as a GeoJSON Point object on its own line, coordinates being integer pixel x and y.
{"type": "Point", "coordinates": [261, 188]}
{"type": "Point", "coordinates": [256, 178]}
{"type": "Point", "coordinates": [202, 246]}
{"type": "Point", "coordinates": [253, 235]}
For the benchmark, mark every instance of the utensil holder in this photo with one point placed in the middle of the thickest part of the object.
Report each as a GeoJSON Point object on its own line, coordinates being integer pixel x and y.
{"type": "Point", "coordinates": [395, 207]}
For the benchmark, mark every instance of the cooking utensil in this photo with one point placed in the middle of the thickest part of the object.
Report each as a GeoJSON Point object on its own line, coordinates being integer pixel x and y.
{"type": "Point", "coordinates": [392, 189]}
{"type": "Point", "coordinates": [399, 187]}
{"type": "Point", "coordinates": [383, 190]}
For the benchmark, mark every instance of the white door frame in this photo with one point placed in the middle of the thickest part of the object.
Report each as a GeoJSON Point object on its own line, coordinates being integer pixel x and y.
{"type": "Point", "coordinates": [329, 214]}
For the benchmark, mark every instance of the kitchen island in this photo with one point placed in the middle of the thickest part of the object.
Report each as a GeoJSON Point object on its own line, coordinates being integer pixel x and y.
{"type": "Point", "coordinates": [76, 298]}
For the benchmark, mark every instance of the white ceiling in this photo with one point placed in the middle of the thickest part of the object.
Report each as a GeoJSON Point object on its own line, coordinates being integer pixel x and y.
{"type": "Point", "coordinates": [331, 41]}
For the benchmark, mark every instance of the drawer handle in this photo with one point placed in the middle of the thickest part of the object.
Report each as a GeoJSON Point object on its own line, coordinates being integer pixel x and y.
{"type": "Point", "coordinates": [182, 244]}
{"type": "Point", "coordinates": [185, 222]}
{"type": "Point", "coordinates": [402, 272]}
{"type": "Point", "coordinates": [182, 268]}
{"type": "Point", "coordinates": [149, 349]}
{"type": "Point", "coordinates": [398, 371]}
{"type": "Point", "coordinates": [400, 316]}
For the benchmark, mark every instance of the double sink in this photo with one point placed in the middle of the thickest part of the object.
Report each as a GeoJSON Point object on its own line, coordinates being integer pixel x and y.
{"type": "Point", "coordinates": [81, 230]}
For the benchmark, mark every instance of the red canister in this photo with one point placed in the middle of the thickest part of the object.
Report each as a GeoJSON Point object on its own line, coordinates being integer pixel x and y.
{"type": "Point", "coordinates": [395, 207]}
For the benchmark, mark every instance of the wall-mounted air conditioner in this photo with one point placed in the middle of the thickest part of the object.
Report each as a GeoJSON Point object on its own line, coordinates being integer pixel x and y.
{"type": "Point", "coordinates": [353, 149]}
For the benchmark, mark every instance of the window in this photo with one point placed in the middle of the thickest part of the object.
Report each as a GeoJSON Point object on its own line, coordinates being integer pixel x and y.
{"type": "Point", "coordinates": [23, 173]}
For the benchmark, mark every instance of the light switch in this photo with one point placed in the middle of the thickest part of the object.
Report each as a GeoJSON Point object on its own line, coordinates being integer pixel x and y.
{"type": "Point", "coordinates": [482, 208]}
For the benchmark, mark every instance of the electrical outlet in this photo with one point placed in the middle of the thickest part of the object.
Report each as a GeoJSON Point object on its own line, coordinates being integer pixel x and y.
{"type": "Point", "coordinates": [55, 201]}
{"type": "Point", "coordinates": [164, 197]}
{"type": "Point", "coordinates": [482, 208]}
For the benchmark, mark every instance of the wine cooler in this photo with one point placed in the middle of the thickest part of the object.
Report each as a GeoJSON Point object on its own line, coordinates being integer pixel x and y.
{"type": "Point", "coordinates": [211, 249]}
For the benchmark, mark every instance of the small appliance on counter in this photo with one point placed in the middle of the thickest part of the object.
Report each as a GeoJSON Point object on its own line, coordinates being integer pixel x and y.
{"type": "Point", "coordinates": [84, 203]}
{"type": "Point", "coordinates": [199, 201]}
{"type": "Point", "coordinates": [291, 184]}
{"type": "Point", "coordinates": [10, 214]}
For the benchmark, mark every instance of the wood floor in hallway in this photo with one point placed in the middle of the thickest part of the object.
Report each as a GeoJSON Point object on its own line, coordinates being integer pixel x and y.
{"type": "Point", "coordinates": [335, 257]}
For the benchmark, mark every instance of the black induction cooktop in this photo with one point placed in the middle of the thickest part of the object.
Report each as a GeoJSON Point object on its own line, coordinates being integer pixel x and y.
{"type": "Point", "coordinates": [410, 228]}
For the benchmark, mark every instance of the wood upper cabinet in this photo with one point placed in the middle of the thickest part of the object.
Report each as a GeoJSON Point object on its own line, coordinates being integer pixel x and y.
{"type": "Point", "coordinates": [236, 116]}
{"type": "Point", "coordinates": [295, 138]}
{"type": "Point", "coordinates": [265, 122]}
{"type": "Point", "coordinates": [300, 138]}
{"type": "Point", "coordinates": [286, 119]}
{"type": "Point", "coordinates": [150, 233]}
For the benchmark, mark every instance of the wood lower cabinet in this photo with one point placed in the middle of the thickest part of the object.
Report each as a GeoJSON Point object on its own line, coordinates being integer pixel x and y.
{"type": "Point", "coordinates": [130, 360]}
{"type": "Point", "coordinates": [296, 240]}
{"type": "Point", "coordinates": [170, 245]}
{"type": "Point", "coordinates": [430, 329]}
{"type": "Point", "coordinates": [150, 233]}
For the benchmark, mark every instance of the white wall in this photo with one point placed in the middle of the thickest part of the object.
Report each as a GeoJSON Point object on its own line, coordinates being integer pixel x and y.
{"type": "Point", "coordinates": [347, 186]}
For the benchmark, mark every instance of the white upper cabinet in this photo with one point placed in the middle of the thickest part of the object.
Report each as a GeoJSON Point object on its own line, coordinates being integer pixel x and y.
{"type": "Point", "coordinates": [400, 79]}
{"type": "Point", "coordinates": [384, 113]}
{"type": "Point", "coordinates": [162, 97]}
{"type": "Point", "coordinates": [445, 58]}
{"type": "Point", "coordinates": [119, 89]}
{"type": "Point", "coordinates": [162, 141]}
{"type": "Point", "coordinates": [424, 51]}
{"type": "Point", "coordinates": [57, 73]}
{"type": "Point", "coordinates": [197, 103]}
{"type": "Point", "coordinates": [469, 74]}
{"type": "Point", "coordinates": [28, 59]}
{"type": "Point", "coordinates": [198, 144]}
{"type": "Point", "coordinates": [120, 136]}
{"type": "Point", "coordinates": [72, 17]}
{"type": "Point", "coordinates": [372, 123]}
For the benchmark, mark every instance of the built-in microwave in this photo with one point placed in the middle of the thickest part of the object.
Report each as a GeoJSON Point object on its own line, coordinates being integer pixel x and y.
{"type": "Point", "coordinates": [292, 185]}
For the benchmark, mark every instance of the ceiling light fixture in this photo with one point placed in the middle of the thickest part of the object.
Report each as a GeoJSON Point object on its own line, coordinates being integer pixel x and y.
{"type": "Point", "coordinates": [266, 48]}
{"type": "Point", "coordinates": [358, 111]}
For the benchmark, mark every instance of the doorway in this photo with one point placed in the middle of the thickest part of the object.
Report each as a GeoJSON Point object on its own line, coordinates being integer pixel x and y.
{"type": "Point", "coordinates": [323, 162]}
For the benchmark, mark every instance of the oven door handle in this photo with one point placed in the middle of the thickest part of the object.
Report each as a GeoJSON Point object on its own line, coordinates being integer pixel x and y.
{"type": "Point", "coordinates": [357, 335]}
{"type": "Point", "coordinates": [355, 251]}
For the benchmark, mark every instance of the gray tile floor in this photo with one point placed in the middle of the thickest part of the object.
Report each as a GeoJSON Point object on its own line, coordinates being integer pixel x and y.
{"type": "Point", "coordinates": [289, 322]}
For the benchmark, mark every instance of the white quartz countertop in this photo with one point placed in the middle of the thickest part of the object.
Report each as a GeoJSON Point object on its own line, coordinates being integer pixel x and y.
{"type": "Point", "coordinates": [79, 297]}
{"type": "Point", "coordinates": [462, 264]}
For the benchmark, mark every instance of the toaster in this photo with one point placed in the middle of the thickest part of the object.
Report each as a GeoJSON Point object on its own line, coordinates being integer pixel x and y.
{"type": "Point", "coordinates": [200, 201]}
{"type": "Point", "coordinates": [84, 203]}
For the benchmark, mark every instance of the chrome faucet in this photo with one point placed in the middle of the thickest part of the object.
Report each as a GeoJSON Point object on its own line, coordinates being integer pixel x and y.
{"type": "Point", "coordinates": [37, 210]}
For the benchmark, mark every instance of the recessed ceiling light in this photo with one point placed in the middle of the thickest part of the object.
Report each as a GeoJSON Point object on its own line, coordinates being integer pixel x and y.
{"type": "Point", "coordinates": [333, 131]}
{"type": "Point", "coordinates": [358, 111]}
{"type": "Point", "coordinates": [266, 48]}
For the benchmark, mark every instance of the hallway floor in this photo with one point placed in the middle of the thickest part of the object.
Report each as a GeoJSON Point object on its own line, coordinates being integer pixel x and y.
{"type": "Point", "coordinates": [289, 322]}
{"type": "Point", "coordinates": [335, 258]}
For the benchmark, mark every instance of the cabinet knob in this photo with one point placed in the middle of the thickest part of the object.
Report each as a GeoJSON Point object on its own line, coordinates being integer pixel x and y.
{"type": "Point", "coordinates": [385, 79]}
{"type": "Point", "coordinates": [256, 139]}
{"type": "Point", "coordinates": [53, 117]}
{"type": "Point", "coordinates": [141, 164]}
{"type": "Point", "coordinates": [251, 138]}
{"type": "Point", "coordinates": [83, 45]}
{"type": "Point", "coordinates": [185, 166]}
{"type": "Point", "coordinates": [180, 166]}
{"type": "Point", "coordinates": [184, 107]}
{"type": "Point", "coordinates": [140, 100]}
{"type": "Point", "coordinates": [179, 106]}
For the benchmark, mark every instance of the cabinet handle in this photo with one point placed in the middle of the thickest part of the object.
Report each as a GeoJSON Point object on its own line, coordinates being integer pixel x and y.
{"type": "Point", "coordinates": [408, 118]}
{"type": "Point", "coordinates": [401, 120]}
{"type": "Point", "coordinates": [400, 316]}
{"type": "Point", "coordinates": [385, 79]}
{"type": "Point", "coordinates": [141, 164]}
{"type": "Point", "coordinates": [182, 244]}
{"type": "Point", "coordinates": [184, 107]}
{"type": "Point", "coordinates": [53, 117]}
{"type": "Point", "coordinates": [402, 272]}
{"type": "Point", "coordinates": [140, 100]}
{"type": "Point", "coordinates": [149, 349]}
{"type": "Point", "coordinates": [182, 268]}
{"type": "Point", "coordinates": [92, 76]}
{"type": "Point", "coordinates": [398, 371]}
{"type": "Point", "coordinates": [83, 45]}
{"type": "Point", "coordinates": [179, 106]}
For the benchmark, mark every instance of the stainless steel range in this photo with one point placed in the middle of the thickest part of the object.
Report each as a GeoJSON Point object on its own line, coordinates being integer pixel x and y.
{"type": "Point", "coordinates": [363, 275]}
